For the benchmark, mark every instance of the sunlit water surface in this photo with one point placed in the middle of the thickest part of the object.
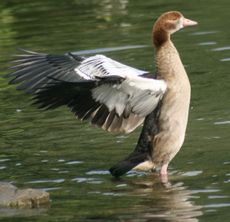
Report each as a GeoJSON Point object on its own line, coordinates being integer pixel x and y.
{"type": "Point", "coordinates": [54, 152]}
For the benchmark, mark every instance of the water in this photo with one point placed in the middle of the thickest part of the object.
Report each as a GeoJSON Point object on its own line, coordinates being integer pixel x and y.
{"type": "Point", "coordinates": [54, 152]}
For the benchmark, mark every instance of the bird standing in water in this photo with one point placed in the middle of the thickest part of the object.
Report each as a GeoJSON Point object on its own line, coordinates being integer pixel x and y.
{"type": "Point", "coordinates": [117, 97]}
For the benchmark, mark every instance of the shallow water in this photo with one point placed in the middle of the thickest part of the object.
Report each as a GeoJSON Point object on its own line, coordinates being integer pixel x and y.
{"type": "Point", "coordinates": [54, 152]}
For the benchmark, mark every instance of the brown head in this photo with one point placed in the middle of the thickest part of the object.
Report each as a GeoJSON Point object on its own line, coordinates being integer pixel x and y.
{"type": "Point", "coordinates": [167, 24]}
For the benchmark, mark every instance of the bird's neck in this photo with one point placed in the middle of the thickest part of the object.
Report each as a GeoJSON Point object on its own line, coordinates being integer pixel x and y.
{"type": "Point", "coordinates": [168, 62]}
{"type": "Point", "coordinates": [160, 36]}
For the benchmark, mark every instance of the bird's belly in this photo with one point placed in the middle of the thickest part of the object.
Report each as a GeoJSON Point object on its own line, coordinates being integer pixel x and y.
{"type": "Point", "coordinates": [172, 126]}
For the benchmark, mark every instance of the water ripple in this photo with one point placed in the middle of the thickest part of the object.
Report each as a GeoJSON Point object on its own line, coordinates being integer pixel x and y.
{"type": "Point", "coordinates": [74, 162]}
{"type": "Point", "coordinates": [222, 122]}
{"type": "Point", "coordinates": [226, 162]}
{"type": "Point", "coordinates": [221, 48]}
{"type": "Point", "coordinates": [192, 173]}
{"type": "Point", "coordinates": [217, 196]}
{"type": "Point", "coordinates": [204, 33]}
{"type": "Point", "coordinates": [63, 171]}
{"type": "Point", "coordinates": [87, 180]}
{"type": "Point", "coordinates": [51, 188]}
{"type": "Point", "coordinates": [219, 205]}
{"type": "Point", "coordinates": [205, 191]}
{"type": "Point", "coordinates": [47, 181]}
{"type": "Point", "coordinates": [112, 194]}
{"type": "Point", "coordinates": [82, 179]}
{"type": "Point", "coordinates": [207, 43]}
{"type": "Point", "coordinates": [98, 172]}
{"type": "Point", "coordinates": [4, 160]}
{"type": "Point", "coordinates": [225, 59]}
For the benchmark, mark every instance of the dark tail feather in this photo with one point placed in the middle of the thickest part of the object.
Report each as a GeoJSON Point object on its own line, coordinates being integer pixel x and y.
{"type": "Point", "coordinates": [128, 164]}
{"type": "Point", "coordinates": [144, 148]}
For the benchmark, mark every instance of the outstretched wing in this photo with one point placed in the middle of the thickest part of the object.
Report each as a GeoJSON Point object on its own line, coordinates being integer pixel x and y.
{"type": "Point", "coordinates": [35, 70]}
{"type": "Point", "coordinates": [109, 94]}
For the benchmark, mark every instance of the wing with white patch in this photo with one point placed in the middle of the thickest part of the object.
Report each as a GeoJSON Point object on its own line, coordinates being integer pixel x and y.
{"type": "Point", "coordinates": [109, 94]}
{"type": "Point", "coordinates": [134, 96]}
{"type": "Point", "coordinates": [113, 103]}
{"type": "Point", "coordinates": [137, 95]}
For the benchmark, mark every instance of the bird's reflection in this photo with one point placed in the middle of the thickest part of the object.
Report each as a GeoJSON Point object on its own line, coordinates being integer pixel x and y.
{"type": "Point", "coordinates": [163, 201]}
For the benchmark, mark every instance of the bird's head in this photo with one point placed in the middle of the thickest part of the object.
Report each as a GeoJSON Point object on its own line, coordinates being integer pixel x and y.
{"type": "Point", "coordinates": [168, 23]}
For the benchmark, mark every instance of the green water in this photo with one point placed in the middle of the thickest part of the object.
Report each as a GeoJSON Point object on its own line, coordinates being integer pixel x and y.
{"type": "Point", "coordinates": [54, 152]}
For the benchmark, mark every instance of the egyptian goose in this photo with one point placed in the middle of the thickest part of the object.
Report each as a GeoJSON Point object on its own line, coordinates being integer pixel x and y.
{"type": "Point", "coordinates": [117, 97]}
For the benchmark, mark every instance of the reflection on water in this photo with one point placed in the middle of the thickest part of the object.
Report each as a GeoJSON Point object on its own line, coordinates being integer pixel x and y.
{"type": "Point", "coordinates": [164, 202]}
{"type": "Point", "coordinates": [109, 8]}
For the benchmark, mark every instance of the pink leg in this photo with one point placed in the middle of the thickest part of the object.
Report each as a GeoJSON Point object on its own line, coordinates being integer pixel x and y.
{"type": "Point", "coordinates": [164, 169]}
{"type": "Point", "coordinates": [164, 174]}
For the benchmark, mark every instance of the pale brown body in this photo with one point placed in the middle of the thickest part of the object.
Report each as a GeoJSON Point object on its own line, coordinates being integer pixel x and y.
{"type": "Point", "coordinates": [174, 110]}
{"type": "Point", "coordinates": [173, 116]}
{"type": "Point", "coordinates": [175, 105]}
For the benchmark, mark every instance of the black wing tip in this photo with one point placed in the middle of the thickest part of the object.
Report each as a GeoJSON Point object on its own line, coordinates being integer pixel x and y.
{"type": "Point", "coordinates": [16, 59]}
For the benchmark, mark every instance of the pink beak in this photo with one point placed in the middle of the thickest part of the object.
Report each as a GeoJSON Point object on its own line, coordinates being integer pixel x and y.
{"type": "Point", "coordinates": [188, 22]}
